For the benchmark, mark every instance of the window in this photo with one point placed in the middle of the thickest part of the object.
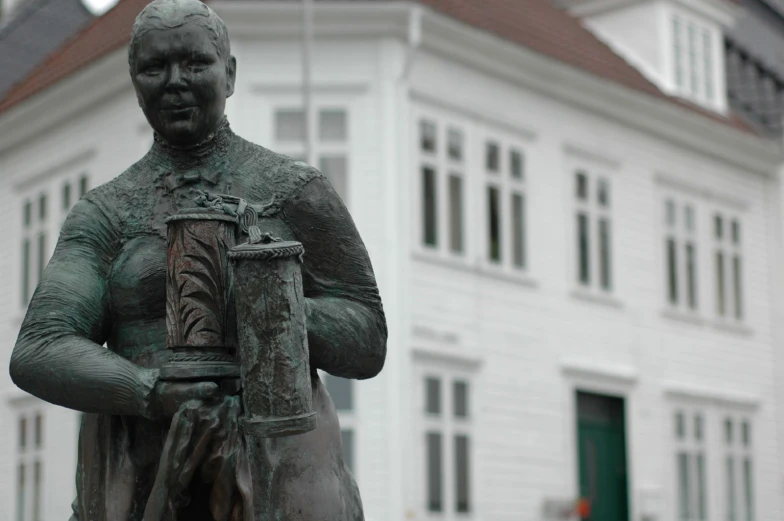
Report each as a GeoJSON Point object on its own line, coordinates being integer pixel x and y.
{"type": "Point", "coordinates": [331, 142]}
{"type": "Point", "coordinates": [693, 59]}
{"type": "Point", "coordinates": [341, 390]}
{"type": "Point", "coordinates": [691, 469]}
{"type": "Point", "coordinates": [728, 266]}
{"type": "Point", "coordinates": [442, 158]}
{"type": "Point", "coordinates": [680, 252]}
{"type": "Point", "coordinates": [44, 210]}
{"type": "Point", "coordinates": [593, 231]}
{"type": "Point", "coordinates": [738, 469]}
{"type": "Point", "coordinates": [447, 441]}
{"type": "Point", "coordinates": [505, 204]}
{"type": "Point", "coordinates": [29, 466]}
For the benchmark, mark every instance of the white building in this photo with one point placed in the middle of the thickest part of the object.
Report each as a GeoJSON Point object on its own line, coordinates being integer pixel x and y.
{"type": "Point", "coordinates": [578, 269]}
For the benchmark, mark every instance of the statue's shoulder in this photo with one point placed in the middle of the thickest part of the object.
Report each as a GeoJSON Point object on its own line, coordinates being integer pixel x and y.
{"type": "Point", "coordinates": [271, 173]}
{"type": "Point", "coordinates": [124, 193]}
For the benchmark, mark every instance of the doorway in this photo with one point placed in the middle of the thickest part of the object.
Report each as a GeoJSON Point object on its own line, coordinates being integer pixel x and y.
{"type": "Point", "coordinates": [601, 439]}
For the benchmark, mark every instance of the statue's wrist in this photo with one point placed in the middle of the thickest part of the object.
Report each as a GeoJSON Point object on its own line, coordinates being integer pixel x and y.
{"type": "Point", "coordinates": [147, 380]}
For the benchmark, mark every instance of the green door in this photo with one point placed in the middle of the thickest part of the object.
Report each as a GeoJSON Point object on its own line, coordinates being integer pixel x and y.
{"type": "Point", "coordinates": [601, 437]}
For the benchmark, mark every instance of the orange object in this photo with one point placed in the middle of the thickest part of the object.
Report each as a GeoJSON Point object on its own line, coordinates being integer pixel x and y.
{"type": "Point", "coordinates": [584, 508]}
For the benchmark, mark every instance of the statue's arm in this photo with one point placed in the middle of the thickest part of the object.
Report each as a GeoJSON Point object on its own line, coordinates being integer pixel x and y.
{"type": "Point", "coordinates": [59, 355]}
{"type": "Point", "coordinates": [347, 330]}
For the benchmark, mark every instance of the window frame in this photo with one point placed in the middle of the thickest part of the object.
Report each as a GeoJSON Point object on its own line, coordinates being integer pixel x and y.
{"type": "Point", "coordinates": [682, 237]}
{"type": "Point", "coordinates": [33, 454]}
{"type": "Point", "coordinates": [595, 213]}
{"type": "Point", "coordinates": [702, 63]}
{"type": "Point", "coordinates": [449, 426]}
{"type": "Point", "coordinates": [734, 303]}
{"type": "Point", "coordinates": [692, 447]}
{"type": "Point", "coordinates": [444, 168]}
{"type": "Point", "coordinates": [507, 187]}
{"type": "Point", "coordinates": [737, 452]}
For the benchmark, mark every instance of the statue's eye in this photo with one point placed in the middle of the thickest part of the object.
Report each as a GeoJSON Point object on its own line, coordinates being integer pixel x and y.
{"type": "Point", "coordinates": [152, 68]}
{"type": "Point", "coordinates": [199, 63]}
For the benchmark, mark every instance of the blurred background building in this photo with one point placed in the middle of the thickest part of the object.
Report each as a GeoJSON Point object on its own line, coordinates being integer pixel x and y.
{"type": "Point", "coordinates": [574, 214]}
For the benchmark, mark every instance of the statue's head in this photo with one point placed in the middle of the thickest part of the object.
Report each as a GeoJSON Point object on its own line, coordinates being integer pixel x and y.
{"type": "Point", "coordinates": [181, 68]}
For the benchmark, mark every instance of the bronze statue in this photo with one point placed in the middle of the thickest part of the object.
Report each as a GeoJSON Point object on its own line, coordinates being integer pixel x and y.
{"type": "Point", "coordinates": [158, 442]}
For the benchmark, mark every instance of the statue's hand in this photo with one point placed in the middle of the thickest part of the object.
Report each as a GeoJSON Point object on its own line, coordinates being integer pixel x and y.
{"type": "Point", "coordinates": [167, 397]}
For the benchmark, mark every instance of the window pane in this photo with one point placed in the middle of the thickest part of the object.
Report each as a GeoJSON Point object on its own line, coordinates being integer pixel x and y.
{"type": "Point", "coordinates": [461, 399]}
{"type": "Point", "coordinates": [702, 508]}
{"type": "Point", "coordinates": [689, 215]}
{"type": "Point", "coordinates": [21, 496]}
{"type": "Point", "coordinates": [516, 164]}
{"type": "Point", "coordinates": [38, 431]}
{"type": "Point", "coordinates": [684, 496]}
{"type": "Point", "coordinates": [493, 157]}
{"type": "Point", "coordinates": [748, 490]}
{"type": "Point", "coordinates": [718, 226]}
{"type": "Point", "coordinates": [427, 138]}
{"type": "Point", "coordinates": [27, 213]}
{"type": "Point", "coordinates": [691, 276]}
{"type": "Point", "coordinates": [66, 196]}
{"type": "Point", "coordinates": [583, 249]}
{"type": "Point", "coordinates": [680, 425]}
{"type": "Point", "coordinates": [25, 272]}
{"type": "Point", "coordinates": [347, 437]}
{"type": "Point", "coordinates": [37, 478]}
{"type": "Point", "coordinates": [746, 434]}
{"type": "Point", "coordinates": [83, 185]}
{"type": "Point", "coordinates": [728, 431]}
{"type": "Point", "coordinates": [693, 58]}
{"type": "Point", "coordinates": [707, 58]}
{"type": "Point", "coordinates": [433, 395]}
{"type": "Point", "coordinates": [603, 193]}
{"type": "Point", "coordinates": [518, 230]}
{"type": "Point", "coordinates": [669, 212]}
{"type": "Point", "coordinates": [42, 207]}
{"type": "Point", "coordinates": [429, 233]}
{"type": "Point", "coordinates": [22, 434]}
{"type": "Point", "coordinates": [456, 213]}
{"type": "Point", "coordinates": [342, 392]}
{"type": "Point", "coordinates": [455, 144]}
{"type": "Point", "coordinates": [581, 186]}
{"type": "Point", "coordinates": [334, 168]}
{"type": "Point", "coordinates": [332, 125]}
{"type": "Point", "coordinates": [732, 510]}
{"type": "Point", "coordinates": [434, 473]}
{"type": "Point", "coordinates": [461, 474]}
{"type": "Point", "coordinates": [41, 255]}
{"type": "Point", "coordinates": [735, 232]}
{"type": "Point", "coordinates": [494, 222]}
{"type": "Point", "coordinates": [677, 51]}
{"type": "Point", "coordinates": [289, 125]}
{"type": "Point", "coordinates": [698, 427]}
{"type": "Point", "coordinates": [672, 271]}
{"type": "Point", "coordinates": [720, 305]}
{"type": "Point", "coordinates": [604, 253]}
{"type": "Point", "coordinates": [737, 286]}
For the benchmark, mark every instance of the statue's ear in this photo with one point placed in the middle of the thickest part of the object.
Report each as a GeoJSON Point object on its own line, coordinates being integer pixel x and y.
{"type": "Point", "coordinates": [231, 75]}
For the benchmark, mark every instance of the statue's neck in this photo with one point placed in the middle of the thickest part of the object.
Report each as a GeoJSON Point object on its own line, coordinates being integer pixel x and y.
{"type": "Point", "coordinates": [192, 156]}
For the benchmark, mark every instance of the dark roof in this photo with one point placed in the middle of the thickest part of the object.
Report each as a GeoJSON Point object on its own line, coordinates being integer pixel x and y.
{"type": "Point", "coordinates": [535, 24]}
{"type": "Point", "coordinates": [36, 29]}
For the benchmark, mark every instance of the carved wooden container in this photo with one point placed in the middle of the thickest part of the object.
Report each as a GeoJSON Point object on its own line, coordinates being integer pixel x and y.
{"type": "Point", "coordinates": [272, 339]}
{"type": "Point", "coordinates": [200, 326]}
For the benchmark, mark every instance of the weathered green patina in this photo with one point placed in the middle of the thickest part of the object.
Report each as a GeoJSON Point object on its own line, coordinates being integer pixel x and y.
{"type": "Point", "coordinates": [156, 450]}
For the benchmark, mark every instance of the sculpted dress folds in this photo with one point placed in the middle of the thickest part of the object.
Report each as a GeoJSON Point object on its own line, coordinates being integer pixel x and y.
{"type": "Point", "coordinates": [105, 286]}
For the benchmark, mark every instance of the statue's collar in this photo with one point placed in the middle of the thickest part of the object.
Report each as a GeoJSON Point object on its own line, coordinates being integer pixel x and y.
{"type": "Point", "coordinates": [189, 156]}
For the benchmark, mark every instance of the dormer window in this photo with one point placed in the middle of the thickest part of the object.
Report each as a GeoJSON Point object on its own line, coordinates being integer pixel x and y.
{"type": "Point", "coordinates": [694, 67]}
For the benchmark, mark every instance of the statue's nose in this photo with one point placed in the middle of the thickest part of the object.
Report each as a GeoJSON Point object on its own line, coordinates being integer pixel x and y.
{"type": "Point", "coordinates": [176, 80]}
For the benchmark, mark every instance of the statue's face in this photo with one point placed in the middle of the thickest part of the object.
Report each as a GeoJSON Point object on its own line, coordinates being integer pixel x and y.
{"type": "Point", "coordinates": [181, 82]}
